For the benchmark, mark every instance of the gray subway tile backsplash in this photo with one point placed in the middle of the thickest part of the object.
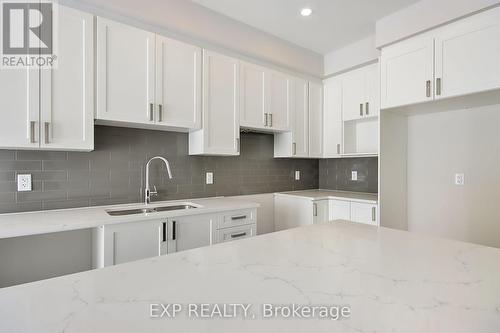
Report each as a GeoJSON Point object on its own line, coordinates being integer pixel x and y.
{"type": "Point", "coordinates": [114, 172]}
{"type": "Point", "coordinates": [335, 174]}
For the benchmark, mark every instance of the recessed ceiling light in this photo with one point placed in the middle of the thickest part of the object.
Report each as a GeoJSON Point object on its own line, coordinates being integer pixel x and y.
{"type": "Point", "coordinates": [306, 11]}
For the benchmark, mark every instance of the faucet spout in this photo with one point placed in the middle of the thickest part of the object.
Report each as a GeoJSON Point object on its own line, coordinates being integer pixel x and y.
{"type": "Point", "coordinates": [148, 193]}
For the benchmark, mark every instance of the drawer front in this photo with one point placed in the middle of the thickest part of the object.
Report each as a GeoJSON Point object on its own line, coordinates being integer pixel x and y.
{"type": "Point", "coordinates": [235, 233]}
{"type": "Point", "coordinates": [237, 218]}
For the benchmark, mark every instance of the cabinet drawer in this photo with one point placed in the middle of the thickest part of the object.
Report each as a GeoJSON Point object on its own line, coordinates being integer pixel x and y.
{"type": "Point", "coordinates": [234, 233]}
{"type": "Point", "coordinates": [236, 218]}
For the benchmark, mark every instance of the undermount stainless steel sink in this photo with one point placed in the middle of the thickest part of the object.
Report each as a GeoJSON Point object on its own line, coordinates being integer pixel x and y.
{"type": "Point", "coordinates": [148, 210]}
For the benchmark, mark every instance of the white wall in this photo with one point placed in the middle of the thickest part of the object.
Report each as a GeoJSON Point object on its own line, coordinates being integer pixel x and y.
{"type": "Point", "coordinates": [196, 24]}
{"type": "Point", "coordinates": [440, 145]}
{"type": "Point", "coordinates": [32, 258]}
{"type": "Point", "coordinates": [424, 15]}
{"type": "Point", "coordinates": [350, 56]}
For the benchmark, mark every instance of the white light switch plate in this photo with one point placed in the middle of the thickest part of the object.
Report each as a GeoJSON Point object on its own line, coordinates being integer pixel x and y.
{"type": "Point", "coordinates": [354, 175]}
{"type": "Point", "coordinates": [297, 175]}
{"type": "Point", "coordinates": [210, 178]}
{"type": "Point", "coordinates": [24, 183]}
{"type": "Point", "coordinates": [459, 179]}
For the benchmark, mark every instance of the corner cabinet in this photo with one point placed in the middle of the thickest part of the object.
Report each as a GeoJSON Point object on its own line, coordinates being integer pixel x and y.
{"type": "Point", "coordinates": [457, 59]}
{"type": "Point", "coordinates": [52, 109]}
{"type": "Point", "coordinates": [315, 120]}
{"type": "Point", "coordinates": [332, 118]}
{"type": "Point", "coordinates": [220, 132]}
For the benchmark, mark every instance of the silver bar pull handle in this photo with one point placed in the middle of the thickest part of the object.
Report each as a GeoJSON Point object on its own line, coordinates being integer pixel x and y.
{"type": "Point", "coordinates": [241, 234]}
{"type": "Point", "coordinates": [238, 145]}
{"type": "Point", "coordinates": [294, 148]}
{"type": "Point", "coordinates": [160, 113]}
{"type": "Point", "coordinates": [32, 132]}
{"type": "Point", "coordinates": [47, 132]}
{"type": "Point", "coordinates": [164, 232]}
{"type": "Point", "coordinates": [374, 213]}
{"type": "Point", "coordinates": [270, 120]}
{"type": "Point", "coordinates": [367, 108]}
{"type": "Point", "coordinates": [361, 109]}
{"type": "Point", "coordinates": [151, 110]}
{"type": "Point", "coordinates": [438, 86]}
{"type": "Point", "coordinates": [266, 121]}
{"type": "Point", "coordinates": [428, 88]}
{"type": "Point", "coordinates": [338, 148]}
{"type": "Point", "coordinates": [239, 217]}
{"type": "Point", "coordinates": [315, 209]}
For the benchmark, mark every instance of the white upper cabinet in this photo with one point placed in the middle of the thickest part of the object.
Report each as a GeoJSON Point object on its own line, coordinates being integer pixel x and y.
{"type": "Point", "coordinates": [67, 102]}
{"type": "Point", "coordinates": [332, 117]}
{"type": "Point", "coordinates": [360, 93]}
{"type": "Point", "coordinates": [220, 133]}
{"type": "Point", "coordinates": [407, 72]}
{"type": "Point", "coordinates": [468, 55]}
{"type": "Point", "coordinates": [178, 84]}
{"type": "Point", "coordinates": [315, 119]}
{"type": "Point", "coordinates": [52, 109]}
{"type": "Point", "coordinates": [278, 101]}
{"type": "Point", "coordinates": [300, 112]}
{"type": "Point", "coordinates": [252, 96]}
{"type": "Point", "coordinates": [19, 105]}
{"type": "Point", "coordinates": [125, 73]}
{"type": "Point", "coordinates": [353, 94]}
{"type": "Point", "coordinates": [457, 59]}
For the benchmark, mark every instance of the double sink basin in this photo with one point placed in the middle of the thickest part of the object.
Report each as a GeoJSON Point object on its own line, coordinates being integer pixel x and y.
{"type": "Point", "coordinates": [149, 210]}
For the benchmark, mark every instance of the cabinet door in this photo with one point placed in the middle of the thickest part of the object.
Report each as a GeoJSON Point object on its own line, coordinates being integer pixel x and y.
{"type": "Point", "coordinates": [332, 113]}
{"type": "Point", "coordinates": [468, 55]}
{"type": "Point", "coordinates": [321, 211]}
{"type": "Point", "coordinates": [300, 113]}
{"type": "Point", "coordinates": [178, 84]}
{"type": "Point", "coordinates": [220, 104]}
{"type": "Point", "coordinates": [252, 97]}
{"type": "Point", "coordinates": [19, 108]}
{"type": "Point", "coordinates": [372, 90]}
{"type": "Point", "coordinates": [67, 92]}
{"type": "Point", "coordinates": [190, 232]}
{"type": "Point", "coordinates": [406, 72]}
{"type": "Point", "coordinates": [353, 94]}
{"type": "Point", "coordinates": [315, 119]}
{"type": "Point", "coordinates": [125, 73]}
{"type": "Point", "coordinates": [291, 212]}
{"type": "Point", "coordinates": [340, 210]}
{"type": "Point", "coordinates": [278, 101]}
{"type": "Point", "coordinates": [131, 241]}
{"type": "Point", "coordinates": [364, 213]}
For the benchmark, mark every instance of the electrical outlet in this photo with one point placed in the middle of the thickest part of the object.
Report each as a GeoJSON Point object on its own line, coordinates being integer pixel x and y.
{"type": "Point", "coordinates": [459, 179]}
{"type": "Point", "coordinates": [354, 175]}
{"type": "Point", "coordinates": [210, 178]}
{"type": "Point", "coordinates": [297, 175]}
{"type": "Point", "coordinates": [24, 183]}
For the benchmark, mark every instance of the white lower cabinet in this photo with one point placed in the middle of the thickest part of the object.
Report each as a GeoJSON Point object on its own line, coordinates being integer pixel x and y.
{"type": "Point", "coordinates": [294, 211]}
{"type": "Point", "coordinates": [120, 243]}
{"type": "Point", "coordinates": [364, 213]}
{"type": "Point", "coordinates": [188, 232]}
{"type": "Point", "coordinates": [124, 242]}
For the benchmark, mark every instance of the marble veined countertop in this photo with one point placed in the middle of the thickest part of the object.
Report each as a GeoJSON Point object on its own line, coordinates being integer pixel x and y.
{"type": "Point", "coordinates": [392, 281]}
{"type": "Point", "coordinates": [40, 222]}
{"type": "Point", "coordinates": [331, 194]}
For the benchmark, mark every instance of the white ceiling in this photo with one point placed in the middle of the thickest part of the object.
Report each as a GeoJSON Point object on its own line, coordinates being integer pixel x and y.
{"type": "Point", "coordinates": [332, 25]}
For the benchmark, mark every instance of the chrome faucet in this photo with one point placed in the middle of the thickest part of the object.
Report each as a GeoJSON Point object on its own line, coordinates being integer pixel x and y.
{"type": "Point", "coordinates": [148, 193]}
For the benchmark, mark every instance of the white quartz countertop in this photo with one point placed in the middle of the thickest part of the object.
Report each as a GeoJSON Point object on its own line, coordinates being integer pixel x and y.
{"type": "Point", "coordinates": [330, 194]}
{"type": "Point", "coordinates": [393, 281]}
{"type": "Point", "coordinates": [40, 222]}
